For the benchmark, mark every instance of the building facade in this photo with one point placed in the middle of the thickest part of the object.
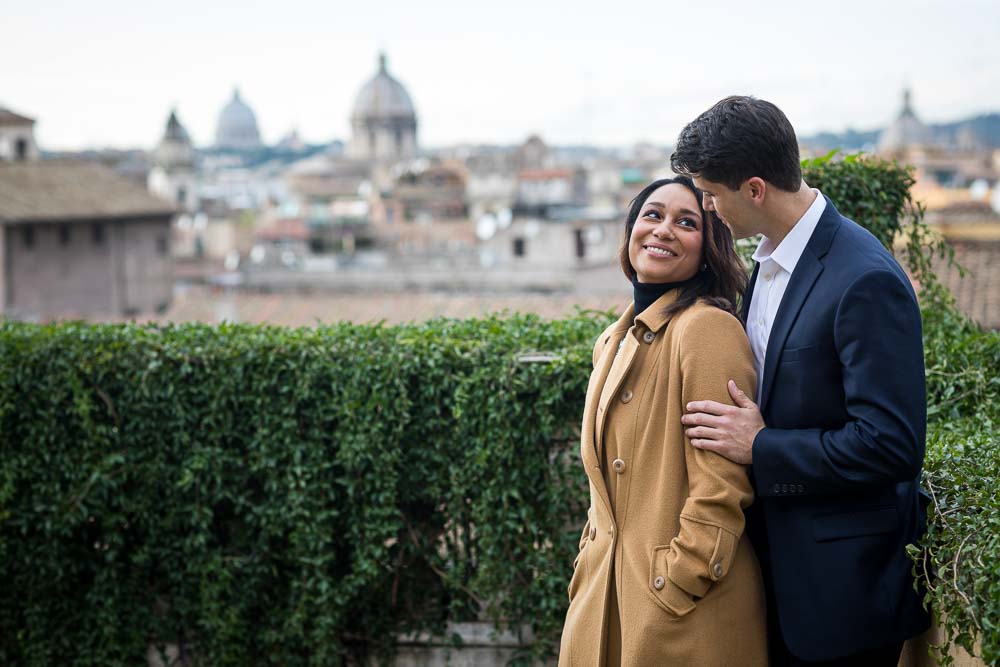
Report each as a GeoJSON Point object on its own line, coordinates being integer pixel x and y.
{"type": "Point", "coordinates": [78, 240]}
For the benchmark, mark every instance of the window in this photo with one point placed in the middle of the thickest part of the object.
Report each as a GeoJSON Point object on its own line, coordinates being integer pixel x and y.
{"type": "Point", "coordinates": [28, 234]}
{"type": "Point", "coordinates": [161, 245]}
{"type": "Point", "coordinates": [21, 149]}
{"type": "Point", "coordinates": [98, 233]}
{"type": "Point", "coordinates": [519, 248]}
{"type": "Point", "coordinates": [63, 234]}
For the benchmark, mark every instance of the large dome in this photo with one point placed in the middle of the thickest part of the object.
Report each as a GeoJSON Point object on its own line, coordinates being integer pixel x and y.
{"type": "Point", "coordinates": [237, 127]}
{"type": "Point", "coordinates": [906, 131]}
{"type": "Point", "coordinates": [382, 97]}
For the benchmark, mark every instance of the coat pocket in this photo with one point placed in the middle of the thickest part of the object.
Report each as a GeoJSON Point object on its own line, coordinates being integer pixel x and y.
{"type": "Point", "coordinates": [668, 595]}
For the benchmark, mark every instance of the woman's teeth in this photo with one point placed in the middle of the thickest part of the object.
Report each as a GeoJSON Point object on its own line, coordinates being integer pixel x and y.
{"type": "Point", "coordinates": [660, 251]}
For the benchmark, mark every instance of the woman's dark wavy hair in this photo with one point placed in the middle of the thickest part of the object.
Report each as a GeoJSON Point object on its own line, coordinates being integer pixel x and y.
{"type": "Point", "coordinates": [722, 282]}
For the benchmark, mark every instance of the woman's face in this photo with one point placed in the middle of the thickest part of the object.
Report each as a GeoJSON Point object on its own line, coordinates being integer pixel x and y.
{"type": "Point", "coordinates": [666, 240]}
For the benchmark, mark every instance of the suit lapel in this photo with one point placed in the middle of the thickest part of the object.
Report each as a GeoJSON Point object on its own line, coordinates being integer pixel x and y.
{"type": "Point", "coordinates": [748, 295]}
{"type": "Point", "coordinates": [800, 284]}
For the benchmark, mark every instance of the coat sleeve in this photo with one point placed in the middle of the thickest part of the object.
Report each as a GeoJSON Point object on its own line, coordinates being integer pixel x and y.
{"type": "Point", "coordinates": [879, 346]}
{"type": "Point", "coordinates": [713, 350]}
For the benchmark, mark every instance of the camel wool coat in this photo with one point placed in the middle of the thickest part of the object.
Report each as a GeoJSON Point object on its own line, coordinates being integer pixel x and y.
{"type": "Point", "coordinates": [686, 581]}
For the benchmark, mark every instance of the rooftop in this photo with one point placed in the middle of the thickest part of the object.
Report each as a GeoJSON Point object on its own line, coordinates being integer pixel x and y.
{"type": "Point", "coordinates": [56, 190]}
{"type": "Point", "coordinates": [8, 117]}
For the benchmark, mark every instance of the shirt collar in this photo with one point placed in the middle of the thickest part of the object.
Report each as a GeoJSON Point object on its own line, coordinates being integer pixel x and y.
{"type": "Point", "coordinates": [788, 252]}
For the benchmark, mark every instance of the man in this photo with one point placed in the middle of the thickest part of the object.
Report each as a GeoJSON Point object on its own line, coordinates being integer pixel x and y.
{"type": "Point", "coordinates": [836, 445]}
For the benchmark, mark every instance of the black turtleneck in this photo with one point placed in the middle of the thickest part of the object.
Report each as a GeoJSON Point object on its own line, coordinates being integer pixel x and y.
{"type": "Point", "coordinates": [644, 294]}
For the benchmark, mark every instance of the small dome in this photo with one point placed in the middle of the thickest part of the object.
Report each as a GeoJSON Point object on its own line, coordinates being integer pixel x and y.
{"type": "Point", "coordinates": [906, 131]}
{"type": "Point", "coordinates": [175, 131]}
{"type": "Point", "coordinates": [237, 125]}
{"type": "Point", "coordinates": [382, 97]}
{"type": "Point", "coordinates": [175, 149]}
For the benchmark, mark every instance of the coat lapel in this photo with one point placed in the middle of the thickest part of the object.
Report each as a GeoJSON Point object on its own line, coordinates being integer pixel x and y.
{"type": "Point", "coordinates": [807, 271]}
{"type": "Point", "coordinates": [619, 369]}
{"type": "Point", "coordinates": [589, 433]}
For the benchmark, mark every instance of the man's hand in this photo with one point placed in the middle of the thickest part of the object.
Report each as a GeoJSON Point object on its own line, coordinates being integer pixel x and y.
{"type": "Point", "coordinates": [725, 429]}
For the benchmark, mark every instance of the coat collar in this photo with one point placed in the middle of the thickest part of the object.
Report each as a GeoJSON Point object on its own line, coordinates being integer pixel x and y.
{"type": "Point", "coordinates": [800, 284]}
{"type": "Point", "coordinates": [653, 317]}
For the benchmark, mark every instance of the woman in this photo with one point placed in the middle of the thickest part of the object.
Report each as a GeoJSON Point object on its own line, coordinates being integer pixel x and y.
{"type": "Point", "coordinates": [665, 575]}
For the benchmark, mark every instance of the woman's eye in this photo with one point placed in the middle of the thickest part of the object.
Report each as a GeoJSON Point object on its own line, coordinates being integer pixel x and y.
{"type": "Point", "coordinates": [652, 214]}
{"type": "Point", "coordinates": [688, 222]}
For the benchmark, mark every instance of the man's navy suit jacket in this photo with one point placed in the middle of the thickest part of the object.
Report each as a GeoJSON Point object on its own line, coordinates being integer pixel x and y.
{"type": "Point", "coordinates": [836, 469]}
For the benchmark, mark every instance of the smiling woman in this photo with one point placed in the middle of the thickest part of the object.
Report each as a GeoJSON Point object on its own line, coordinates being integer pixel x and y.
{"type": "Point", "coordinates": [665, 244]}
{"type": "Point", "coordinates": [671, 241]}
{"type": "Point", "coordinates": [664, 567]}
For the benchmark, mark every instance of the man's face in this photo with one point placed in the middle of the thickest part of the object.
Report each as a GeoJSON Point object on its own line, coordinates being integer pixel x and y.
{"type": "Point", "coordinates": [730, 205]}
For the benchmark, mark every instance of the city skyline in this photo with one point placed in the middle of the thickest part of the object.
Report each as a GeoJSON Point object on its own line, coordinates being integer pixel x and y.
{"type": "Point", "coordinates": [109, 73]}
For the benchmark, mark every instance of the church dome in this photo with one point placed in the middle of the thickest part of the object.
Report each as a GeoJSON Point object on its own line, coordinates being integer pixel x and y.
{"type": "Point", "coordinates": [175, 149]}
{"type": "Point", "coordinates": [382, 97]}
{"type": "Point", "coordinates": [906, 131]}
{"type": "Point", "coordinates": [237, 127]}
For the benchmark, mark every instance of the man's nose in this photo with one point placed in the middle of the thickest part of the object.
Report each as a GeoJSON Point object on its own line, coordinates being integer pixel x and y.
{"type": "Point", "coordinates": [706, 203]}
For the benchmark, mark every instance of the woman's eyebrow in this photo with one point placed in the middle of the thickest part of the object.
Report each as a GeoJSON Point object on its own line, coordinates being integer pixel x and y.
{"type": "Point", "coordinates": [688, 211]}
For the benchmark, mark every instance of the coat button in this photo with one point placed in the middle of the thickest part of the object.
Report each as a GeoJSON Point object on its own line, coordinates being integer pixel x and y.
{"type": "Point", "coordinates": [802, 489]}
{"type": "Point", "coordinates": [648, 336]}
{"type": "Point", "coordinates": [776, 488]}
{"type": "Point", "coordinates": [784, 488]}
{"type": "Point", "coordinates": [593, 533]}
{"type": "Point", "coordinates": [658, 583]}
{"type": "Point", "coordinates": [618, 465]}
{"type": "Point", "coordinates": [626, 396]}
{"type": "Point", "coordinates": [717, 570]}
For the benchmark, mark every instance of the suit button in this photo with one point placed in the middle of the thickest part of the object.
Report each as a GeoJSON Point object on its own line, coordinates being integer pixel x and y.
{"type": "Point", "coordinates": [776, 488]}
{"type": "Point", "coordinates": [717, 570]}
{"type": "Point", "coordinates": [802, 489]}
{"type": "Point", "coordinates": [648, 336]}
{"type": "Point", "coordinates": [593, 533]}
{"type": "Point", "coordinates": [784, 488]}
{"type": "Point", "coordinates": [658, 583]}
{"type": "Point", "coordinates": [619, 466]}
{"type": "Point", "coordinates": [626, 396]}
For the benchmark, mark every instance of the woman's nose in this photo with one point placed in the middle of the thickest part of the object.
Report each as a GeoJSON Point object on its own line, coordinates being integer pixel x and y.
{"type": "Point", "coordinates": [663, 231]}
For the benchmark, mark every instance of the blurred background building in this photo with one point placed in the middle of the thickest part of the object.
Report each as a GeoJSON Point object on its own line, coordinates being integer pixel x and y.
{"type": "Point", "coordinates": [378, 227]}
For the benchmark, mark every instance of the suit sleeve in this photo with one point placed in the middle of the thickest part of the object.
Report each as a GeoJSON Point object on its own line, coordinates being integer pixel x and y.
{"type": "Point", "coordinates": [877, 334]}
{"type": "Point", "coordinates": [714, 350]}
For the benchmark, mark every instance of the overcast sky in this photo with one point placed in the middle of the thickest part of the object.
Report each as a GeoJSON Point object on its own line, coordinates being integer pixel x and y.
{"type": "Point", "coordinates": [105, 73]}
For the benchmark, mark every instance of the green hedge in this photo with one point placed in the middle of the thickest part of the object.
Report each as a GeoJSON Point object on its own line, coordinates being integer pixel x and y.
{"type": "Point", "coordinates": [280, 496]}
{"type": "Point", "coordinates": [263, 495]}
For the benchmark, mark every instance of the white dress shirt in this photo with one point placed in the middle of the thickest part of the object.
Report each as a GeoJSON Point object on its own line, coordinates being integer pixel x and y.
{"type": "Point", "coordinates": [776, 267]}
